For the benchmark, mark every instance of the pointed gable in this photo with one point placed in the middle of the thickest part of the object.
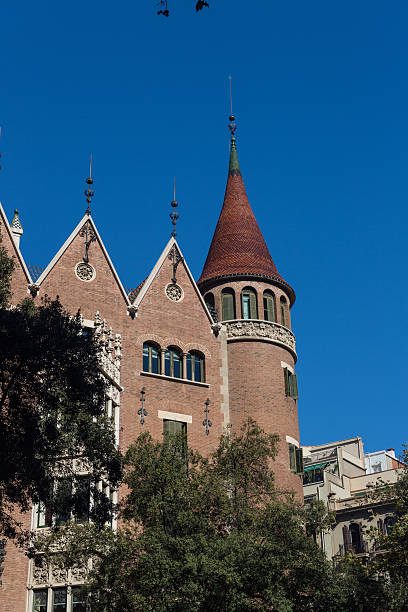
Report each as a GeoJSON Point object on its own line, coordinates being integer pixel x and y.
{"type": "Point", "coordinates": [90, 286]}
{"type": "Point", "coordinates": [160, 291]}
{"type": "Point", "coordinates": [238, 247]}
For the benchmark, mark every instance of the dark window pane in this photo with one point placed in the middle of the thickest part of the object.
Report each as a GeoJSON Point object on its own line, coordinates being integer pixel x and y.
{"type": "Point", "coordinates": [82, 500]}
{"type": "Point", "coordinates": [167, 363]}
{"type": "Point", "coordinates": [78, 601]}
{"type": "Point", "coordinates": [176, 365]}
{"type": "Point", "coordinates": [189, 368]}
{"type": "Point", "coordinates": [40, 601]}
{"type": "Point", "coordinates": [59, 600]}
{"type": "Point", "coordinates": [198, 368]}
{"type": "Point", "coordinates": [145, 358]}
{"type": "Point", "coordinates": [64, 500]}
{"type": "Point", "coordinates": [155, 360]}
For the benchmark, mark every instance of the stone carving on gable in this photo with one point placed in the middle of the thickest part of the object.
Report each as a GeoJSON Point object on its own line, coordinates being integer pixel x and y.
{"type": "Point", "coordinates": [174, 292]}
{"type": "Point", "coordinates": [81, 465]}
{"type": "Point", "coordinates": [85, 271]}
{"type": "Point", "coordinates": [267, 330]}
{"type": "Point", "coordinates": [110, 349]}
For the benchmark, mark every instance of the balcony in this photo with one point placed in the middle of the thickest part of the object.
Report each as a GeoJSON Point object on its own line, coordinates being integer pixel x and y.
{"type": "Point", "coordinates": [255, 329]}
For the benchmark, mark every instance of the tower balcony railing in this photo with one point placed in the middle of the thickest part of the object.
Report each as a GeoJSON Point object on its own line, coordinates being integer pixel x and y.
{"type": "Point", "coordinates": [256, 329]}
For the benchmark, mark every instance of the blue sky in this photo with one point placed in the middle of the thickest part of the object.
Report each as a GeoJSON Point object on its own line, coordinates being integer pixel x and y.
{"type": "Point", "coordinates": [321, 98]}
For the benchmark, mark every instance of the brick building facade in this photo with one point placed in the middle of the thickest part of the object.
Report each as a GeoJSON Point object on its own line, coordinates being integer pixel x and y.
{"type": "Point", "coordinates": [226, 339]}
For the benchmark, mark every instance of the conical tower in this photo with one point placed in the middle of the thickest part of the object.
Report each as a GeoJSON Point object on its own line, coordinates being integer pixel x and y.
{"type": "Point", "coordinates": [242, 287]}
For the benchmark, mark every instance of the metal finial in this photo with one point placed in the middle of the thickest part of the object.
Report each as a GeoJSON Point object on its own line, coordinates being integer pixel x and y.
{"type": "Point", "coordinates": [88, 191]}
{"type": "Point", "coordinates": [207, 423]}
{"type": "Point", "coordinates": [232, 126]}
{"type": "Point", "coordinates": [142, 412]}
{"type": "Point", "coordinates": [173, 215]}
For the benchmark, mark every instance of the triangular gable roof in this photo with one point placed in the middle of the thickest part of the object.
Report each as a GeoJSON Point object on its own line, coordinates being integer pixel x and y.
{"type": "Point", "coordinates": [154, 272]}
{"type": "Point", "coordinates": [17, 250]}
{"type": "Point", "coordinates": [67, 243]}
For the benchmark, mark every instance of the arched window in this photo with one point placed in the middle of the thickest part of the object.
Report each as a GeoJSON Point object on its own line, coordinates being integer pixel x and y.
{"type": "Point", "coordinates": [151, 358]}
{"type": "Point", "coordinates": [209, 301]}
{"type": "Point", "coordinates": [173, 362]}
{"type": "Point", "coordinates": [228, 304]}
{"type": "Point", "coordinates": [248, 303]}
{"type": "Point", "coordinates": [269, 306]}
{"type": "Point", "coordinates": [283, 309]}
{"type": "Point", "coordinates": [195, 366]}
{"type": "Point", "coordinates": [356, 538]}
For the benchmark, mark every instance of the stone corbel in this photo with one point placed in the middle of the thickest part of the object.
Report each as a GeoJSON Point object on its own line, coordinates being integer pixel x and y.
{"type": "Point", "coordinates": [132, 310]}
{"type": "Point", "coordinates": [33, 289]}
{"type": "Point", "coordinates": [216, 327]}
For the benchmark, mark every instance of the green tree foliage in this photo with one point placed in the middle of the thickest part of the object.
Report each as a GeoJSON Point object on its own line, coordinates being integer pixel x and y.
{"type": "Point", "coordinates": [209, 534]}
{"type": "Point", "coordinates": [51, 407]}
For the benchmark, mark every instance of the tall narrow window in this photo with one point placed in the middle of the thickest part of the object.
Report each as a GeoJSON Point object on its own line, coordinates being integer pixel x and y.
{"type": "Point", "coordinates": [228, 304]}
{"type": "Point", "coordinates": [82, 497]}
{"type": "Point", "coordinates": [283, 310]}
{"type": "Point", "coordinates": [173, 363]}
{"type": "Point", "coordinates": [269, 306]}
{"type": "Point", "coordinates": [295, 459]}
{"type": "Point", "coordinates": [40, 600]}
{"type": "Point", "coordinates": [195, 367]}
{"type": "Point", "coordinates": [44, 516]}
{"type": "Point", "coordinates": [78, 600]}
{"type": "Point", "coordinates": [63, 494]}
{"type": "Point", "coordinates": [249, 303]}
{"type": "Point", "coordinates": [175, 432]}
{"type": "Point", "coordinates": [151, 358]}
{"type": "Point", "coordinates": [59, 600]}
{"type": "Point", "coordinates": [209, 301]}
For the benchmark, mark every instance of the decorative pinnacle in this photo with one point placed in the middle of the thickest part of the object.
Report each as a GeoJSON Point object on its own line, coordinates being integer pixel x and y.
{"type": "Point", "coordinates": [173, 215]}
{"type": "Point", "coordinates": [232, 126]}
{"type": "Point", "coordinates": [88, 191]}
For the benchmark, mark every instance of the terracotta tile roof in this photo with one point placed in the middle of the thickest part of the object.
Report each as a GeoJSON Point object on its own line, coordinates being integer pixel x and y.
{"type": "Point", "coordinates": [238, 247]}
{"type": "Point", "coordinates": [133, 293]}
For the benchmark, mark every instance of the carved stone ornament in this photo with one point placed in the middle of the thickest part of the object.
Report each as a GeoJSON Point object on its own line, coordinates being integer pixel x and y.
{"type": "Point", "coordinates": [59, 574]}
{"type": "Point", "coordinates": [267, 330]}
{"type": "Point", "coordinates": [85, 271]}
{"type": "Point", "coordinates": [78, 573]}
{"type": "Point", "coordinates": [40, 574]}
{"type": "Point", "coordinates": [174, 292]}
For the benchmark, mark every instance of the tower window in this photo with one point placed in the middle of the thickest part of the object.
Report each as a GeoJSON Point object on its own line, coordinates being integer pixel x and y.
{"type": "Point", "coordinates": [283, 310]}
{"type": "Point", "coordinates": [228, 304]}
{"type": "Point", "coordinates": [269, 306]}
{"type": "Point", "coordinates": [249, 305]}
{"type": "Point", "coordinates": [291, 386]}
{"type": "Point", "coordinates": [295, 459]}
{"type": "Point", "coordinates": [195, 367]}
{"type": "Point", "coordinates": [173, 364]}
{"type": "Point", "coordinates": [151, 358]}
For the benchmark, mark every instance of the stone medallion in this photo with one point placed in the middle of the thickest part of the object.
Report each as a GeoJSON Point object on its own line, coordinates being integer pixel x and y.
{"type": "Point", "coordinates": [174, 292]}
{"type": "Point", "coordinates": [84, 271]}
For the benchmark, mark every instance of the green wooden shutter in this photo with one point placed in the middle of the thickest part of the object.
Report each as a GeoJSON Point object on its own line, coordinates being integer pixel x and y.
{"type": "Point", "coordinates": [271, 309]}
{"type": "Point", "coordinates": [228, 310]}
{"type": "Point", "coordinates": [299, 461]}
{"type": "Point", "coordinates": [283, 314]}
{"type": "Point", "coordinates": [252, 306]}
{"type": "Point", "coordinates": [293, 386]}
{"type": "Point", "coordinates": [292, 457]}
